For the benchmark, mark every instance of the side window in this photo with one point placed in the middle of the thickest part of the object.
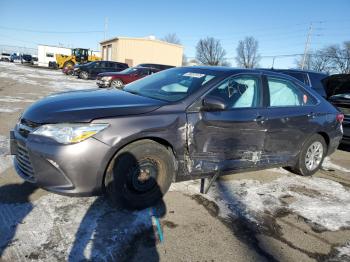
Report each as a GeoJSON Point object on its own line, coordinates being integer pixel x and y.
{"type": "Point", "coordinates": [49, 55]}
{"type": "Point", "coordinates": [300, 76]}
{"type": "Point", "coordinates": [284, 93]}
{"type": "Point", "coordinates": [239, 92]}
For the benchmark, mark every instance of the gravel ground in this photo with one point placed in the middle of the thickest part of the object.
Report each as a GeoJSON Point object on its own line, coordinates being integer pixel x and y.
{"type": "Point", "coordinates": [270, 215]}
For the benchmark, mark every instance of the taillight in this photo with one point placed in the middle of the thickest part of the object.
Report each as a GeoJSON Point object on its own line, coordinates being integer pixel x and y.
{"type": "Point", "coordinates": [340, 118]}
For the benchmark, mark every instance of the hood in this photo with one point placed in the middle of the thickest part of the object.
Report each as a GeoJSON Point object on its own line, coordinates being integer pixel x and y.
{"type": "Point", "coordinates": [337, 84]}
{"type": "Point", "coordinates": [86, 105]}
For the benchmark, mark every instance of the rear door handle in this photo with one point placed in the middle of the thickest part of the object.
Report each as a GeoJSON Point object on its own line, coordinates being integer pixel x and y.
{"type": "Point", "coordinates": [260, 118]}
{"type": "Point", "coordinates": [311, 115]}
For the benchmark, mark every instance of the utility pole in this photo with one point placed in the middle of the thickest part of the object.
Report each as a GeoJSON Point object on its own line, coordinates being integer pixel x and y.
{"type": "Point", "coordinates": [307, 45]}
{"type": "Point", "coordinates": [106, 27]}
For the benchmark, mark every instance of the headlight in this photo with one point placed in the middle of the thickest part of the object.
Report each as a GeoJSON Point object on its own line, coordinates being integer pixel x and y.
{"type": "Point", "coordinates": [106, 78]}
{"type": "Point", "coordinates": [69, 133]}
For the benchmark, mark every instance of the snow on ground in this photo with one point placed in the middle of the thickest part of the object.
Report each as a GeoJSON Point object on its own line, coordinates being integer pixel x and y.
{"type": "Point", "coordinates": [15, 99]}
{"type": "Point", "coordinates": [96, 230]}
{"type": "Point", "coordinates": [328, 165]}
{"type": "Point", "coordinates": [321, 202]}
{"type": "Point", "coordinates": [5, 158]}
{"type": "Point", "coordinates": [9, 109]}
{"type": "Point", "coordinates": [344, 252]}
{"type": "Point", "coordinates": [53, 79]}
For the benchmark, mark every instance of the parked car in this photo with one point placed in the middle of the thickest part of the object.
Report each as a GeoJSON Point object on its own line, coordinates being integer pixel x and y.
{"type": "Point", "coordinates": [179, 124]}
{"type": "Point", "coordinates": [119, 79]}
{"type": "Point", "coordinates": [15, 57]}
{"type": "Point", "coordinates": [157, 66]}
{"type": "Point", "coordinates": [6, 57]}
{"type": "Point", "coordinates": [309, 78]}
{"type": "Point", "coordinates": [338, 91]}
{"type": "Point", "coordinates": [26, 59]}
{"type": "Point", "coordinates": [342, 102]}
{"type": "Point", "coordinates": [92, 69]}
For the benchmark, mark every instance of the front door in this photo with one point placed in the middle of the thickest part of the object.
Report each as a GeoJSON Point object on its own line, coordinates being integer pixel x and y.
{"type": "Point", "coordinates": [229, 139]}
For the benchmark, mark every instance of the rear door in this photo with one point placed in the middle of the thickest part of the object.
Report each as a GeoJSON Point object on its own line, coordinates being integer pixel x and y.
{"type": "Point", "coordinates": [232, 138]}
{"type": "Point", "coordinates": [289, 118]}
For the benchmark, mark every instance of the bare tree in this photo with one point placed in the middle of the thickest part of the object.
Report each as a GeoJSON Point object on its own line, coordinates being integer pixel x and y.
{"type": "Point", "coordinates": [210, 52]}
{"type": "Point", "coordinates": [340, 57]}
{"type": "Point", "coordinates": [334, 58]}
{"type": "Point", "coordinates": [320, 61]}
{"type": "Point", "coordinates": [172, 38]}
{"type": "Point", "coordinates": [247, 53]}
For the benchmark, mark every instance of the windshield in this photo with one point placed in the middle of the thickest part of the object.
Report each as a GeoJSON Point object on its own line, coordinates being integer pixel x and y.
{"type": "Point", "coordinates": [170, 85]}
{"type": "Point", "coordinates": [129, 70]}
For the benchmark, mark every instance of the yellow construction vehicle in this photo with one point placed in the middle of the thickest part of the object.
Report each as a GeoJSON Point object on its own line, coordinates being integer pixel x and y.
{"type": "Point", "coordinates": [79, 55]}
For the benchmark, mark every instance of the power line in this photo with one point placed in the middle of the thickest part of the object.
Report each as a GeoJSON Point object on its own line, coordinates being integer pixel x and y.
{"type": "Point", "coordinates": [48, 32]}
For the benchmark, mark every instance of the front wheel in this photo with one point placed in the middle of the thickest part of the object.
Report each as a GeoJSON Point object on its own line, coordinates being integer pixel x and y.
{"type": "Point", "coordinates": [140, 174]}
{"type": "Point", "coordinates": [311, 156]}
{"type": "Point", "coordinates": [117, 83]}
{"type": "Point", "coordinates": [84, 75]}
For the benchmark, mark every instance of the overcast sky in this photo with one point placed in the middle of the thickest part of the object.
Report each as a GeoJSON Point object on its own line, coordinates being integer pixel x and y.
{"type": "Point", "coordinates": [279, 26]}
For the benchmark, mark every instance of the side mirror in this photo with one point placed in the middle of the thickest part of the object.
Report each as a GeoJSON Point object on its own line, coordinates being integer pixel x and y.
{"type": "Point", "coordinates": [213, 103]}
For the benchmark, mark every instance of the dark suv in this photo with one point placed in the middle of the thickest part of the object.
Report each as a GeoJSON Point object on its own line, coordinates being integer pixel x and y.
{"type": "Point", "coordinates": [309, 78]}
{"type": "Point", "coordinates": [92, 69]}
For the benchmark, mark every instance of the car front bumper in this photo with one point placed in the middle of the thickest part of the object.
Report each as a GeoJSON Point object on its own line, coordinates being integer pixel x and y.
{"type": "Point", "coordinates": [75, 169]}
{"type": "Point", "coordinates": [103, 83]}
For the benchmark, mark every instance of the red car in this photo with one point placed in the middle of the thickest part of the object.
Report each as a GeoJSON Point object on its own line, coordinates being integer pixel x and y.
{"type": "Point", "coordinates": [119, 79]}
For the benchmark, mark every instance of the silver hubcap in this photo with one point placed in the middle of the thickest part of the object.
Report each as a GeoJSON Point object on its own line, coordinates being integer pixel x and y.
{"type": "Point", "coordinates": [117, 83]}
{"type": "Point", "coordinates": [314, 155]}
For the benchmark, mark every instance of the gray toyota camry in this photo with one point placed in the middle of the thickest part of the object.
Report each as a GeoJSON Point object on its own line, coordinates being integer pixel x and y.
{"type": "Point", "coordinates": [179, 124]}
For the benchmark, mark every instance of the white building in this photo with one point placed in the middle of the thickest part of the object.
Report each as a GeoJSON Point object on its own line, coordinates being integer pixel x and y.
{"type": "Point", "coordinates": [47, 53]}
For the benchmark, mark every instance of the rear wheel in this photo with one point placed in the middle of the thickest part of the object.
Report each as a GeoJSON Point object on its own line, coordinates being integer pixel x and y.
{"type": "Point", "coordinates": [311, 156]}
{"type": "Point", "coordinates": [68, 66]}
{"type": "Point", "coordinates": [84, 75]}
{"type": "Point", "coordinates": [117, 83]}
{"type": "Point", "coordinates": [140, 174]}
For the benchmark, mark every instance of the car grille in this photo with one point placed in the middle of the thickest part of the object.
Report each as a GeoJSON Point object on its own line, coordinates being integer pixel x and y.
{"type": "Point", "coordinates": [23, 163]}
{"type": "Point", "coordinates": [26, 126]}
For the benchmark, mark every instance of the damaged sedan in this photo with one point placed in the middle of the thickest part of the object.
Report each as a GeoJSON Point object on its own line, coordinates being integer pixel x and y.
{"type": "Point", "coordinates": [179, 124]}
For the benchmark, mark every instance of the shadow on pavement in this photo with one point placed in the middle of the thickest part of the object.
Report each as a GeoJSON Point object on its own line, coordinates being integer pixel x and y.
{"type": "Point", "coordinates": [11, 214]}
{"type": "Point", "coordinates": [109, 232]}
{"type": "Point", "coordinates": [344, 147]}
{"type": "Point", "coordinates": [116, 234]}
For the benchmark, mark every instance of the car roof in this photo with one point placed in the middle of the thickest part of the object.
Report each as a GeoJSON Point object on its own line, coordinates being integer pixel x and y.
{"type": "Point", "coordinates": [294, 70]}
{"type": "Point", "coordinates": [232, 70]}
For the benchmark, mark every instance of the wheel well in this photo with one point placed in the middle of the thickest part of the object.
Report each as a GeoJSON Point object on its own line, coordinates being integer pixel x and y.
{"type": "Point", "coordinates": [325, 136]}
{"type": "Point", "coordinates": [155, 139]}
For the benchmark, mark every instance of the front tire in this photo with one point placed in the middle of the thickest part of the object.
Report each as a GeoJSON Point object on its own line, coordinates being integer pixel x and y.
{"type": "Point", "coordinates": [140, 174]}
{"type": "Point", "coordinates": [311, 156]}
{"type": "Point", "coordinates": [117, 83]}
{"type": "Point", "coordinates": [84, 75]}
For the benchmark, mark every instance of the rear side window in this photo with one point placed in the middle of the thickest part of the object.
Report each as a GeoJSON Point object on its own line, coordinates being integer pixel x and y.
{"type": "Point", "coordinates": [284, 93]}
{"type": "Point", "coordinates": [302, 77]}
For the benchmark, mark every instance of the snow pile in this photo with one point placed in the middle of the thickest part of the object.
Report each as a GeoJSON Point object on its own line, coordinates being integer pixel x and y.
{"type": "Point", "coordinates": [344, 251]}
{"type": "Point", "coordinates": [322, 202]}
{"type": "Point", "coordinates": [74, 228]}
{"type": "Point", "coordinates": [5, 158]}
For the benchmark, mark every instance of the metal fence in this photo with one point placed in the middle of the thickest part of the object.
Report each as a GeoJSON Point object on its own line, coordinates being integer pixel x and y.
{"type": "Point", "coordinates": [18, 49]}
